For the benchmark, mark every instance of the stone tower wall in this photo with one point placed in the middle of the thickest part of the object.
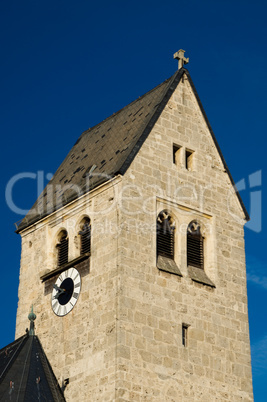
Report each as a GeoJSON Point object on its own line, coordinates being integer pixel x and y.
{"type": "Point", "coordinates": [123, 339]}
{"type": "Point", "coordinates": [155, 366]}
{"type": "Point", "coordinates": [80, 346]}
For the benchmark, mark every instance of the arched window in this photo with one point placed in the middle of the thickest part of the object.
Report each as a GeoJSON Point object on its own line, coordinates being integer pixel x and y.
{"type": "Point", "coordinates": [195, 254]}
{"type": "Point", "coordinates": [85, 235]}
{"type": "Point", "coordinates": [62, 248]}
{"type": "Point", "coordinates": [165, 235]}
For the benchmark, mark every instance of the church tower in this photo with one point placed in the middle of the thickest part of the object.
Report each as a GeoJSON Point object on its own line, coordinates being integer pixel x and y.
{"type": "Point", "coordinates": [133, 258]}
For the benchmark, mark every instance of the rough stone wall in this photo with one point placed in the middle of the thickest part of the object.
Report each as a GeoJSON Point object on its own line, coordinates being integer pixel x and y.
{"type": "Point", "coordinates": [153, 363]}
{"type": "Point", "coordinates": [81, 345]}
{"type": "Point", "coordinates": [123, 339]}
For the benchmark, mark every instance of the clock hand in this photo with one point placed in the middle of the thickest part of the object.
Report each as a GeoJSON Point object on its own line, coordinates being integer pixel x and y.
{"type": "Point", "coordinates": [59, 290]}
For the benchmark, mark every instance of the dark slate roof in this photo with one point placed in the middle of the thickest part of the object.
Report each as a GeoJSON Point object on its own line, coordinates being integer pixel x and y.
{"type": "Point", "coordinates": [108, 149]}
{"type": "Point", "coordinates": [25, 373]}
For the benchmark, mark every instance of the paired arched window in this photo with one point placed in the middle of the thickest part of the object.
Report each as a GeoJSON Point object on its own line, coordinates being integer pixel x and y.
{"type": "Point", "coordinates": [195, 240]}
{"type": "Point", "coordinates": [62, 248]}
{"type": "Point", "coordinates": [165, 235]}
{"type": "Point", "coordinates": [85, 236]}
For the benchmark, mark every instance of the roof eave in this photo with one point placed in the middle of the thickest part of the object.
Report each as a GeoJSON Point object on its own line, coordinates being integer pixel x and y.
{"type": "Point", "coordinates": [37, 219]}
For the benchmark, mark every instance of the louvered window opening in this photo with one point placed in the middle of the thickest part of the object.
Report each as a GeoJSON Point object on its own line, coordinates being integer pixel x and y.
{"type": "Point", "coordinates": [195, 255]}
{"type": "Point", "coordinates": [63, 250]}
{"type": "Point", "coordinates": [165, 240]}
{"type": "Point", "coordinates": [85, 238]}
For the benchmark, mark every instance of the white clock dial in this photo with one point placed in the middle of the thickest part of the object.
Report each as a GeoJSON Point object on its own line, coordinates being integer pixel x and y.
{"type": "Point", "coordinates": [66, 292]}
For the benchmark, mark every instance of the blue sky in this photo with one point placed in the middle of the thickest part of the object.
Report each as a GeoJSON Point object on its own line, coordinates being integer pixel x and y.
{"type": "Point", "coordinates": [66, 65]}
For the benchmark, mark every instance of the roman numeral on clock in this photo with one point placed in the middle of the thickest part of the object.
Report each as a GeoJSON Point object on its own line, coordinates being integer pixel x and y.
{"type": "Point", "coordinates": [58, 309]}
{"type": "Point", "coordinates": [66, 292]}
{"type": "Point", "coordinates": [54, 305]}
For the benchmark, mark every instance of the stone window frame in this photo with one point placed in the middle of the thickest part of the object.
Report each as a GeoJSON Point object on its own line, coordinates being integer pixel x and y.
{"type": "Point", "coordinates": [185, 337]}
{"type": "Point", "coordinates": [201, 274]}
{"type": "Point", "coordinates": [183, 215]}
{"type": "Point", "coordinates": [165, 234]}
{"type": "Point", "coordinates": [189, 159]}
{"type": "Point", "coordinates": [166, 262]}
{"type": "Point", "coordinates": [84, 247]}
{"type": "Point", "coordinates": [62, 248]}
{"type": "Point", "coordinates": [183, 157]}
{"type": "Point", "coordinates": [176, 154]}
{"type": "Point", "coordinates": [195, 245]}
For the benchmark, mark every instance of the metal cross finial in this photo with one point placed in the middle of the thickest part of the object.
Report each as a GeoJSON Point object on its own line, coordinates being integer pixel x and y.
{"type": "Point", "coordinates": [181, 59]}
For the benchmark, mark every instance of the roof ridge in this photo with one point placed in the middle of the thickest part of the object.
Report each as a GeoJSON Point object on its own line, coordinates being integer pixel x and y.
{"type": "Point", "coordinates": [175, 78]}
{"type": "Point", "coordinates": [20, 342]}
{"type": "Point", "coordinates": [48, 370]}
{"type": "Point", "coordinates": [112, 153]}
{"type": "Point", "coordinates": [124, 107]}
{"type": "Point", "coordinates": [111, 145]}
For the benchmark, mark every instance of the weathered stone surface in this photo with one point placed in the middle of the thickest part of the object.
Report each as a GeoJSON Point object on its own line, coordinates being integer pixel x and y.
{"type": "Point", "coordinates": [199, 275]}
{"type": "Point", "coordinates": [123, 339]}
{"type": "Point", "coordinates": [168, 265]}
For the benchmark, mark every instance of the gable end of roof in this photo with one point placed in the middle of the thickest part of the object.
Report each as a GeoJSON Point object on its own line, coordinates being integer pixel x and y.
{"type": "Point", "coordinates": [175, 79]}
{"type": "Point", "coordinates": [112, 145]}
{"type": "Point", "coordinates": [247, 217]}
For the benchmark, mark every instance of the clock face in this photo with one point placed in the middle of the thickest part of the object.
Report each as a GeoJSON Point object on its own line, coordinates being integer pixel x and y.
{"type": "Point", "coordinates": [66, 291]}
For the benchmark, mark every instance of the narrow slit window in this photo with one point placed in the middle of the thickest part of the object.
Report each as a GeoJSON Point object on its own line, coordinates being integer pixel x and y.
{"type": "Point", "coordinates": [165, 235]}
{"type": "Point", "coordinates": [185, 334]}
{"type": "Point", "coordinates": [176, 154]}
{"type": "Point", "coordinates": [62, 248]}
{"type": "Point", "coordinates": [85, 236]}
{"type": "Point", "coordinates": [195, 255]}
{"type": "Point", "coordinates": [189, 159]}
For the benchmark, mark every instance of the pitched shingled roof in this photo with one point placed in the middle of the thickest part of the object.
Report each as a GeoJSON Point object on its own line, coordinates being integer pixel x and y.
{"type": "Point", "coordinates": [108, 149]}
{"type": "Point", "coordinates": [25, 373]}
